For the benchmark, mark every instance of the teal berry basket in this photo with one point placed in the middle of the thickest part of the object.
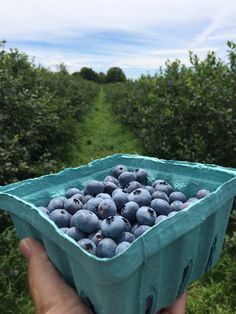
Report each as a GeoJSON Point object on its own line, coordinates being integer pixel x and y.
{"type": "Point", "coordinates": [161, 263]}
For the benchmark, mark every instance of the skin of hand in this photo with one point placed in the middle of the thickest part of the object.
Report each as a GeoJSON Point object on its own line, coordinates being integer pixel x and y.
{"type": "Point", "coordinates": [178, 307]}
{"type": "Point", "coordinates": [49, 291]}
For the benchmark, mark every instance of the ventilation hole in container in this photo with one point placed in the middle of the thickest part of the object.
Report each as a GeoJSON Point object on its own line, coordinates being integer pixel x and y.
{"type": "Point", "coordinates": [211, 255]}
{"type": "Point", "coordinates": [87, 301]}
{"type": "Point", "coordinates": [185, 277]}
{"type": "Point", "coordinates": [149, 304]}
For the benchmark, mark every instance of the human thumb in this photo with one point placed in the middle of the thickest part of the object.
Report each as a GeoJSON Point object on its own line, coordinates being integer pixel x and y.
{"type": "Point", "coordinates": [46, 285]}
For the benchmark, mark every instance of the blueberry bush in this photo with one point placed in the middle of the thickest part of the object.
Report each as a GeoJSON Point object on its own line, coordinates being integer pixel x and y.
{"type": "Point", "coordinates": [184, 113]}
{"type": "Point", "coordinates": [39, 111]}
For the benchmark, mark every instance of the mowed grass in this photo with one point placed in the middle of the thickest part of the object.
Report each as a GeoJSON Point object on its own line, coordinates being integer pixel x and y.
{"type": "Point", "coordinates": [101, 134]}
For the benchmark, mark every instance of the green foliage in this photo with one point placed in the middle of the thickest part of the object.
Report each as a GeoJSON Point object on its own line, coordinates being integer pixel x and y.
{"type": "Point", "coordinates": [39, 111]}
{"type": "Point", "coordinates": [215, 292]}
{"type": "Point", "coordinates": [89, 74]}
{"type": "Point", "coordinates": [14, 294]}
{"type": "Point", "coordinates": [185, 113]}
{"type": "Point", "coordinates": [101, 77]}
{"type": "Point", "coordinates": [115, 74]}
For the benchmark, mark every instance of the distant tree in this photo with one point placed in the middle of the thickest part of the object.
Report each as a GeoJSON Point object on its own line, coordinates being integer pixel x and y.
{"type": "Point", "coordinates": [115, 74]}
{"type": "Point", "coordinates": [102, 77]}
{"type": "Point", "coordinates": [89, 74]}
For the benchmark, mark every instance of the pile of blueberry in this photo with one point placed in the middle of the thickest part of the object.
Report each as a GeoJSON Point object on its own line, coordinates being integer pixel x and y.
{"type": "Point", "coordinates": [108, 215]}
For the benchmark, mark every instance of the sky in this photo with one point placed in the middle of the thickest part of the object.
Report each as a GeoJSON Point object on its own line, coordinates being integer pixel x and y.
{"type": "Point", "coordinates": [136, 35]}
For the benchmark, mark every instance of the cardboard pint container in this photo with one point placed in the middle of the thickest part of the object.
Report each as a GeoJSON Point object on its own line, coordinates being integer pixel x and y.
{"type": "Point", "coordinates": [160, 264]}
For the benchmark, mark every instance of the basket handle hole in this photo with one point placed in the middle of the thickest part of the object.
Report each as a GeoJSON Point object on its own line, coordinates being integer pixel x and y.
{"type": "Point", "coordinates": [185, 277]}
{"type": "Point", "coordinates": [149, 304]}
{"type": "Point", "coordinates": [211, 255]}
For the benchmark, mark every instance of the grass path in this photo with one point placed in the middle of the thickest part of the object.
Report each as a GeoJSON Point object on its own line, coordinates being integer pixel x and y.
{"type": "Point", "coordinates": [101, 134]}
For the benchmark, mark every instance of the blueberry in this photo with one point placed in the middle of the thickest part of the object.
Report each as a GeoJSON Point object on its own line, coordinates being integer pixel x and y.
{"type": "Point", "coordinates": [131, 186]}
{"type": "Point", "coordinates": [176, 206]}
{"type": "Point", "coordinates": [44, 210]}
{"type": "Point", "coordinates": [126, 236]}
{"type": "Point", "coordinates": [72, 205]}
{"type": "Point", "coordinates": [120, 198]}
{"type": "Point", "coordinates": [146, 216]}
{"type": "Point", "coordinates": [163, 186]}
{"type": "Point", "coordinates": [160, 194]}
{"type": "Point", "coordinates": [71, 191]}
{"type": "Point", "coordinates": [129, 211]}
{"type": "Point", "coordinates": [149, 188]}
{"type": "Point", "coordinates": [61, 217]}
{"type": "Point", "coordinates": [56, 203]}
{"type": "Point", "coordinates": [118, 170]}
{"type": "Point", "coordinates": [192, 199]}
{"type": "Point", "coordinates": [127, 224]}
{"type": "Point", "coordinates": [118, 190]}
{"type": "Point", "coordinates": [76, 234]}
{"type": "Point", "coordinates": [160, 181]}
{"type": "Point", "coordinates": [106, 208]}
{"type": "Point", "coordinates": [64, 229]}
{"type": "Point", "coordinates": [93, 188]}
{"type": "Point", "coordinates": [99, 221]}
{"type": "Point", "coordinates": [113, 227]}
{"type": "Point", "coordinates": [172, 214]}
{"type": "Point", "coordinates": [78, 197]}
{"type": "Point", "coordinates": [126, 177]}
{"type": "Point", "coordinates": [141, 175]}
{"type": "Point", "coordinates": [122, 247]}
{"type": "Point", "coordinates": [177, 196]}
{"type": "Point", "coordinates": [202, 193]}
{"type": "Point", "coordinates": [186, 204]}
{"type": "Point", "coordinates": [140, 230]}
{"type": "Point", "coordinates": [72, 221]}
{"type": "Point", "coordinates": [86, 198]}
{"type": "Point", "coordinates": [96, 237]}
{"type": "Point", "coordinates": [86, 221]}
{"type": "Point", "coordinates": [160, 218]}
{"type": "Point", "coordinates": [106, 248]}
{"type": "Point", "coordinates": [87, 245]}
{"type": "Point", "coordinates": [104, 196]}
{"type": "Point", "coordinates": [93, 204]}
{"type": "Point", "coordinates": [109, 187]}
{"type": "Point", "coordinates": [134, 227]}
{"type": "Point", "coordinates": [140, 196]}
{"type": "Point", "coordinates": [111, 179]}
{"type": "Point", "coordinates": [160, 206]}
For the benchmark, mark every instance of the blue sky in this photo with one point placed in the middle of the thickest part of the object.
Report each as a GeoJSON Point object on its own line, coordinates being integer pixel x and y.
{"type": "Point", "coordinates": [136, 35]}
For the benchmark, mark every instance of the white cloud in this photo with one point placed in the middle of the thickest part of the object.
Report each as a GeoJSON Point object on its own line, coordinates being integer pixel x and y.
{"type": "Point", "coordinates": [225, 37]}
{"type": "Point", "coordinates": [159, 29]}
{"type": "Point", "coordinates": [37, 19]}
{"type": "Point", "coordinates": [222, 20]}
{"type": "Point", "coordinates": [179, 52]}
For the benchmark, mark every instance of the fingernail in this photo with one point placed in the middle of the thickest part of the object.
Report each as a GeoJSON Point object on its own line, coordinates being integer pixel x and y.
{"type": "Point", "coordinates": [25, 248]}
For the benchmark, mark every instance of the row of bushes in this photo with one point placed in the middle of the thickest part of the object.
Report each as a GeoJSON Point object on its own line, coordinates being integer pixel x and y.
{"type": "Point", "coordinates": [39, 114]}
{"type": "Point", "coordinates": [185, 113]}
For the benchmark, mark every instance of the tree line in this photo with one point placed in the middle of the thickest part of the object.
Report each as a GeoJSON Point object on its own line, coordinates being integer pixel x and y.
{"type": "Point", "coordinates": [113, 75]}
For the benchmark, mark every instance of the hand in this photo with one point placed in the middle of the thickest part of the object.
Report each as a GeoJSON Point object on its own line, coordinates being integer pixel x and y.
{"type": "Point", "coordinates": [178, 307]}
{"type": "Point", "coordinates": [50, 293]}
